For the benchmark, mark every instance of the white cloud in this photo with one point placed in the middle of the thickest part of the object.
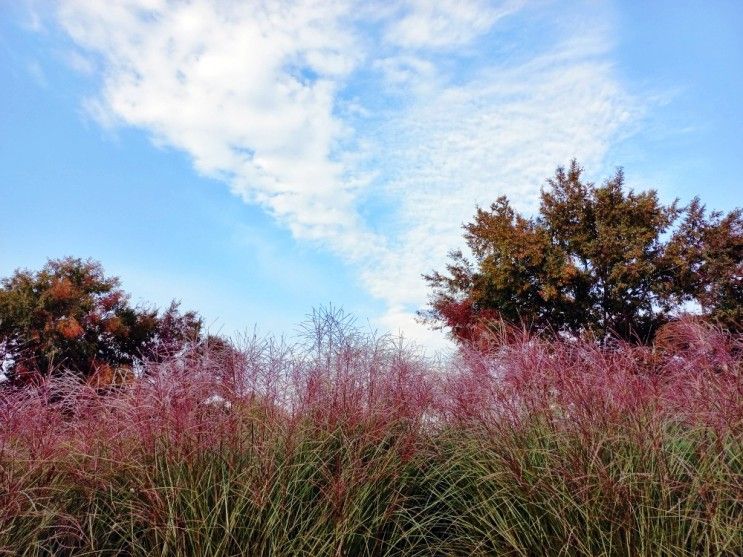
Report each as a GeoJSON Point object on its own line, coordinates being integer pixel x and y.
{"type": "Point", "coordinates": [256, 93]}
{"type": "Point", "coordinates": [247, 90]}
{"type": "Point", "coordinates": [409, 74]}
{"type": "Point", "coordinates": [445, 23]}
{"type": "Point", "coordinates": [500, 134]}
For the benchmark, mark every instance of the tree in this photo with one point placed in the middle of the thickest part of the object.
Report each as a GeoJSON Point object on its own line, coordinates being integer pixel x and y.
{"type": "Point", "coordinates": [70, 317]}
{"type": "Point", "coordinates": [597, 260]}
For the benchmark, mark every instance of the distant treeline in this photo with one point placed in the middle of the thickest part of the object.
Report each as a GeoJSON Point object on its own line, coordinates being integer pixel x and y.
{"type": "Point", "coordinates": [596, 262]}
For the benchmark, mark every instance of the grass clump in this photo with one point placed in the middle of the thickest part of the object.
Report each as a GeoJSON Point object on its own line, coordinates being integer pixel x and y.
{"type": "Point", "coordinates": [351, 445]}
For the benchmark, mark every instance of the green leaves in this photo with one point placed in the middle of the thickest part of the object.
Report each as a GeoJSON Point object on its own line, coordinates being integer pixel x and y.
{"type": "Point", "coordinates": [69, 316]}
{"type": "Point", "coordinates": [595, 260]}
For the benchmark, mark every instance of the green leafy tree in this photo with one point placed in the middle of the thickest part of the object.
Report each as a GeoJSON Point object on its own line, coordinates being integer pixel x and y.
{"type": "Point", "coordinates": [601, 260]}
{"type": "Point", "coordinates": [70, 317]}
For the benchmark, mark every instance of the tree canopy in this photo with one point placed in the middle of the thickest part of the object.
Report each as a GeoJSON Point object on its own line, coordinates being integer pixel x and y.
{"type": "Point", "coordinates": [70, 317]}
{"type": "Point", "coordinates": [601, 260]}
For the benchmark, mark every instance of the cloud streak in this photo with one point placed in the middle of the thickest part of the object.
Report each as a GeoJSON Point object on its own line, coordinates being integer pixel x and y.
{"type": "Point", "coordinates": [319, 110]}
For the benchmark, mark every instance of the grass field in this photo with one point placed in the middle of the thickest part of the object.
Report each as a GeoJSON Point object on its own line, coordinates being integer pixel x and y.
{"type": "Point", "coordinates": [351, 444]}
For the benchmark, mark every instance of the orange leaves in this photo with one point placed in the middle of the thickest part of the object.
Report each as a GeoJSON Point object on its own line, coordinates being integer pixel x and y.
{"type": "Point", "coordinates": [105, 375]}
{"type": "Point", "coordinates": [595, 259]}
{"type": "Point", "coordinates": [69, 328]}
{"type": "Point", "coordinates": [569, 272]}
{"type": "Point", "coordinates": [69, 317]}
{"type": "Point", "coordinates": [110, 301]}
{"type": "Point", "coordinates": [62, 290]}
{"type": "Point", "coordinates": [548, 292]}
{"type": "Point", "coordinates": [114, 326]}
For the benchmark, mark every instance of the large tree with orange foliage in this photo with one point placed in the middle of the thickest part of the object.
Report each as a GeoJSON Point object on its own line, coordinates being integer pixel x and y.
{"type": "Point", "coordinates": [601, 260]}
{"type": "Point", "coordinates": [70, 317]}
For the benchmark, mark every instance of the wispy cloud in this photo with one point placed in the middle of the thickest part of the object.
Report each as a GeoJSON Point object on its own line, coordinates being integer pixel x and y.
{"type": "Point", "coordinates": [37, 73]}
{"type": "Point", "coordinates": [77, 62]}
{"type": "Point", "coordinates": [319, 110]}
{"type": "Point", "coordinates": [500, 134]}
{"type": "Point", "coordinates": [445, 23]}
{"type": "Point", "coordinates": [248, 91]}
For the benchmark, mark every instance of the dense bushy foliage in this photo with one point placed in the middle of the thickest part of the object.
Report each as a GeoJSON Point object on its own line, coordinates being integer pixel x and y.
{"type": "Point", "coordinates": [70, 317]}
{"type": "Point", "coordinates": [353, 444]}
{"type": "Point", "coordinates": [597, 259]}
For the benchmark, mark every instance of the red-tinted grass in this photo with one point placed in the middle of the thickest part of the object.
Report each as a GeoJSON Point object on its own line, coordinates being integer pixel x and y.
{"type": "Point", "coordinates": [346, 413]}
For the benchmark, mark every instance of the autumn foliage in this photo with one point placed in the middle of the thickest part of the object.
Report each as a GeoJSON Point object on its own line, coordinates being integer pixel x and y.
{"type": "Point", "coordinates": [71, 318]}
{"type": "Point", "coordinates": [602, 261]}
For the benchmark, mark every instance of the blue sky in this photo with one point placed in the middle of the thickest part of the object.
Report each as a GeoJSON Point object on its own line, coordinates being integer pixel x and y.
{"type": "Point", "coordinates": [256, 160]}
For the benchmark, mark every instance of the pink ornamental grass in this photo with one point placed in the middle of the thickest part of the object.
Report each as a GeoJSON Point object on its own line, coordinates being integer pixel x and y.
{"type": "Point", "coordinates": [356, 443]}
